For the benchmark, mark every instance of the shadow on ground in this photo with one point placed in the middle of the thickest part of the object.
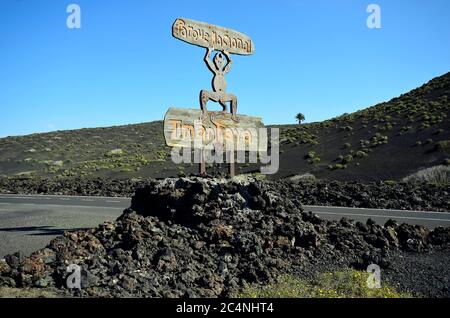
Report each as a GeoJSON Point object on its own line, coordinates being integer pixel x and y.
{"type": "Point", "coordinates": [40, 230]}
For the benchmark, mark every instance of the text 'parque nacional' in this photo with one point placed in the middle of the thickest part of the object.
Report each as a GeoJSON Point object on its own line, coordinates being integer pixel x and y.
{"type": "Point", "coordinates": [212, 36]}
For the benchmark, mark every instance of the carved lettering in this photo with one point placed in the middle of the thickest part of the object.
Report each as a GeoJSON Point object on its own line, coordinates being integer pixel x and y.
{"type": "Point", "coordinates": [207, 35]}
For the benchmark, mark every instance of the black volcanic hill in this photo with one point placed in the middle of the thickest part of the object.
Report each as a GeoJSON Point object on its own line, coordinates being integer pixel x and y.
{"type": "Point", "coordinates": [385, 142]}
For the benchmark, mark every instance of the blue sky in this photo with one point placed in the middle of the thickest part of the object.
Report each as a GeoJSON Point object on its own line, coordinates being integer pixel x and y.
{"type": "Point", "coordinates": [123, 66]}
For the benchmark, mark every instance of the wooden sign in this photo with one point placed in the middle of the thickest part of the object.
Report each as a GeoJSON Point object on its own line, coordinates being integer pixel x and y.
{"type": "Point", "coordinates": [189, 128]}
{"type": "Point", "coordinates": [212, 36]}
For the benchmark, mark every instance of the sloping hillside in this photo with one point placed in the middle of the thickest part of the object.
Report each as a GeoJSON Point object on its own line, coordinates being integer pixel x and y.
{"type": "Point", "coordinates": [112, 151]}
{"type": "Point", "coordinates": [387, 141]}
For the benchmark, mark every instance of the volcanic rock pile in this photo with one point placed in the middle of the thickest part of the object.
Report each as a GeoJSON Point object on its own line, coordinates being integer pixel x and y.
{"type": "Point", "coordinates": [206, 237]}
{"type": "Point", "coordinates": [89, 186]}
{"type": "Point", "coordinates": [377, 195]}
{"type": "Point", "coordinates": [380, 195]}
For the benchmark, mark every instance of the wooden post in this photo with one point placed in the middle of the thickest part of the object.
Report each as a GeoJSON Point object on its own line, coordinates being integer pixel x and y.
{"type": "Point", "coordinates": [202, 166]}
{"type": "Point", "coordinates": [232, 165]}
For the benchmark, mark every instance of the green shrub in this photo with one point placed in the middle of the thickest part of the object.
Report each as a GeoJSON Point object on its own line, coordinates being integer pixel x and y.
{"type": "Point", "coordinates": [347, 159]}
{"type": "Point", "coordinates": [347, 128]}
{"type": "Point", "coordinates": [126, 169]}
{"type": "Point", "coordinates": [347, 145]}
{"type": "Point", "coordinates": [379, 139]}
{"type": "Point", "coordinates": [115, 152]}
{"type": "Point", "coordinates": [338, 166]}
{"type": "Point", "coordinates": [311, 154]}
{"type": "Point", "coordinates": [364, 143]}
{"type": "Point", "coordinates": [405, 128]}
{"type": "Point", "coordinates": [442, 145]}
{"type": "Point", "coordinates": [361, 154]}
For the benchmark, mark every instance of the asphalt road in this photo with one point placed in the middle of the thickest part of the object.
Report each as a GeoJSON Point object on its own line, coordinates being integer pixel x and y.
{"type": "Point", "coordinates": [29, 222]}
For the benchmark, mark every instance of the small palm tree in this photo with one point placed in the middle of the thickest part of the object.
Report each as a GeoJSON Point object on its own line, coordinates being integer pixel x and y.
{"type": "Point", "coordinates": [300, 117]}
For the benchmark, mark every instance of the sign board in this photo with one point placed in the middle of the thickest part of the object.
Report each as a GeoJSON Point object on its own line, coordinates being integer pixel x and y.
{"type": "Point", "coordinates": [202, 129]}
{"type": "Point", "coordinates": [189, 128]}
{"type": "Point", "coordinates": [212, 36]}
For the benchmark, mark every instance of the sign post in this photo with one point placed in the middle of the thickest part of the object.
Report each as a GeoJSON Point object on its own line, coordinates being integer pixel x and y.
{"type": "Point", "coordinates": [232, 171]}
{"type": "Point", "coordinates": [202, 165]}
{"type": "Point", "coordinates": [203, 129]}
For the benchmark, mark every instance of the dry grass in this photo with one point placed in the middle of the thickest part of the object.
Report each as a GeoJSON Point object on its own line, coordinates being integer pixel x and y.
{"type": "Point", "coordinates": [344, 284]}
{"type": "Point", "coordinates": [435, 175]}
{"type": "Point", "coordinates": [7, 292]}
